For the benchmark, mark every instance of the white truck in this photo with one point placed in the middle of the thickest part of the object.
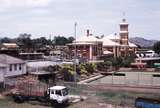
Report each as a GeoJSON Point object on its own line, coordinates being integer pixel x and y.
{"type": "Point", "coordinates": [58, 94]}
{"type": "Point", "coordinates": [54, 95]}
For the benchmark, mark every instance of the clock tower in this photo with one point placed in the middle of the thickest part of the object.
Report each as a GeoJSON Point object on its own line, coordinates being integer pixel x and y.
{"type": "Point", "coordinates": [124, 32]}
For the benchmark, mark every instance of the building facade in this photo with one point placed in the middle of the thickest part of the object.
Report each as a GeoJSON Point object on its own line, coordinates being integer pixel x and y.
{"type": "Point", "coordinates": [11, 66]}
{"type": "Point", "coordinates": [90, 48]}
{"type": "Point", "coordinates": [119, 44]}
{"type": "Point", "coordinates": [87, 48]}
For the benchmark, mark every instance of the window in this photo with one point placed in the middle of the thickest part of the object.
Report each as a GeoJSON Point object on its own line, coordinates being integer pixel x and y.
{"type": "Point", "coordinates": [65, 92]}
{"type": "Point", "coordinates": [20, 67]}
{"type": "Point", "coordinates": [15, 67]}
{"type": "Point", "coordinates": [58, 92]}
{"type": "Point", "coordinates": [10, 67]}
{"type": "Point", "coordinates": [52, 92]}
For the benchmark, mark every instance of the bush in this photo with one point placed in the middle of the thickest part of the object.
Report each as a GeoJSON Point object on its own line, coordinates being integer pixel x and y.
{"type": "Point", "coordinates": [104, 66]}
{"type": "Point", "coordinates": [90, 67]}
{"type": "Point", "coordinates": [127, 62]}
{"type": "Point", "coordinates": [82, 69]}
{"type": "Point", "coordinates": [53, 68]}
{"type": "Point", "coordinates": [116, 62]}
{"type": "Point", "coordinates": [122, 62]}
{"type": "Point", "coordinates": [68, 73]}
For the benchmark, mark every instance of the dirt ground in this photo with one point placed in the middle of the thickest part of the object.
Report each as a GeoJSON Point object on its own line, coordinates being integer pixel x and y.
{"type": "Point", "coordinates": [91, 102]}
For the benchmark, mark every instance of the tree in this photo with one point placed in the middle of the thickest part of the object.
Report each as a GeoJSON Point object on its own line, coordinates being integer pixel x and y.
{"type": "Point", "coordinates": [156, 47]}
{"type": "Point", "coordinates": [25, 42]}
{"type": "Point", "coordinates": [41, 42]}
{"type": "Point", "coordinates": [5, 40]}
{"type": "Point", "coordinates": [61, 40]}
{"type": "Point", "coordinates": [70, 39]}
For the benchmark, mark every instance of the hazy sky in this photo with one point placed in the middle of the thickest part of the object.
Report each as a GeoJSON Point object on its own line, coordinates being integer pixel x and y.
{"type": "Point", "coordinates": [57, 17]}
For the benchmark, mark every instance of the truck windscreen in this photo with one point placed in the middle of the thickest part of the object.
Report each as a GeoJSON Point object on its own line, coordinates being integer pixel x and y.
{"type": "Point", "coordinates": [65, 91]}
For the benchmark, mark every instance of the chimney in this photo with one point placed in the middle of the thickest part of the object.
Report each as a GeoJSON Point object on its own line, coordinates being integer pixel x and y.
{"type": "Point", "coordinates": [88, 32]}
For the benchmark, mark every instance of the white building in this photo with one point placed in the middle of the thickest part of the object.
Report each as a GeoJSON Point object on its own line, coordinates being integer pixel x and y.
{"type": "Point", "coordinates": [11, 66]}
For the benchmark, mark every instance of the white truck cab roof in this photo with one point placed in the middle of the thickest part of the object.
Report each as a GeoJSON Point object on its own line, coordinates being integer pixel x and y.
{"type": "Point", "coordinates": [57, 87]}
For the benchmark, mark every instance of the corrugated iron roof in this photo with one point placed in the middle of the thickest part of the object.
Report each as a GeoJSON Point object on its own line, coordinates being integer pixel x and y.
{"type": "Point", "coordinates": [6, 59]}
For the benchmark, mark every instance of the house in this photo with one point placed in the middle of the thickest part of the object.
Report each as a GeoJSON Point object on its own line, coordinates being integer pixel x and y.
{"type": "Point", "coordinates": [7, 46]}
{"type": "Point", "coordinates": [11, 66]}
{"type": "Point", "coordinates": [3, 68]}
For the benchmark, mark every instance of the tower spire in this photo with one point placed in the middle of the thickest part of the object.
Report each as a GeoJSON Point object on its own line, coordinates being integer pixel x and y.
{"type": "Point", "coordinates": [124, 19]}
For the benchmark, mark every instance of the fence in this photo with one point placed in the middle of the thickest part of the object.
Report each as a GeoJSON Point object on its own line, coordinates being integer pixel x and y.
{"type": "Point", "coordinates": [97, 95]}
{"type": "Point", "coordinates": [131, 79]}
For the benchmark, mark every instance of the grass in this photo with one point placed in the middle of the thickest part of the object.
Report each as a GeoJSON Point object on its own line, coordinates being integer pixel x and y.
{"type": "Point", "coordinates": [124, 98]}
{"type": "Point", "coordinates": [113, 97]}
{"type": "Point", "coordinates": [9, 103]}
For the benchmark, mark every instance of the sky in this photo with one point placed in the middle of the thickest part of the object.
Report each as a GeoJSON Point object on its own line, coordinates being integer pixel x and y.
{"type": "Point", "coordinates": [57, 17]}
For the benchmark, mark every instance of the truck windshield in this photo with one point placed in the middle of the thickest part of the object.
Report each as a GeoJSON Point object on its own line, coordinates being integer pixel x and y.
{"type": "Point", "coordinates": [65, 92]}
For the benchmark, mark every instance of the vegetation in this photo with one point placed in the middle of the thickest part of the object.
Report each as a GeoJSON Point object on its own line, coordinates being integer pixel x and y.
{"type": "Point", "coordinates": [61, 40]}
{"type": "Point", "coordinates": [53, 68]}
{"type": "Point", "coordinates": [28, 44]}
{"type": "Point", "coordinates": [124, 98]}
{"type": "Point", "coordinates": [90, 67]}
{"type": "Point", "coordinates": [122, 61]}
{"type": "Point", "coordinates": [104, 66]}
{"type": "Point", "coordinates": [81, 69]}
{"type": "Point", "coordinates": [156, 47]}
{"type": "Point", "coordinates": [67, 71]}
{"type": "Point", "coordinates": [115, 63]}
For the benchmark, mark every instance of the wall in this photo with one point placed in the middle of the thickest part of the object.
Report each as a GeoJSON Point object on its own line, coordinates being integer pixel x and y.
{"type": "Point", "coordinates": [14, 71]}
{"type": "Point", "coordinates": [2, 71]}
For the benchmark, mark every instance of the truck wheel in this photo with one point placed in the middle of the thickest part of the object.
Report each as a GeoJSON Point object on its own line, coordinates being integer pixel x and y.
{"type": "Point", "coordinates": [18, 99]}
{"type": "Point", "coordinates": [54, 103]}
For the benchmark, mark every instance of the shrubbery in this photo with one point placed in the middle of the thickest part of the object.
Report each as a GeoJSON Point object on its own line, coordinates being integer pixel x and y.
{"type": "Point", "coordinates": [53, 68]}
{"type": "Point", "coordinates": [122, 61]}
{"type": "Point", "coordinates": [115, 63]}
{"type": "Point", "coordinates": [68, 72]}
{"type": "Point", "coordinates": [104, 66]}
{"type": "Point", "coordinates": [90, 67]}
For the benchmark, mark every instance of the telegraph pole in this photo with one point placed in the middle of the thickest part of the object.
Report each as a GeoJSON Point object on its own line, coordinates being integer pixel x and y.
{"type": "Point", "coordinates": [75, 55]}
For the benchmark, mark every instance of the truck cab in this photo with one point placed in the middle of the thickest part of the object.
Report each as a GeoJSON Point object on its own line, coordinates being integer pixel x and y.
{"type": "Point", "coordinates": [58, 94]}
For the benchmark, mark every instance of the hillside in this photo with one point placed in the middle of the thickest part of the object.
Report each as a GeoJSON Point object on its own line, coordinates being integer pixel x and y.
{"type": "Point", "coordinates": [142, 41]}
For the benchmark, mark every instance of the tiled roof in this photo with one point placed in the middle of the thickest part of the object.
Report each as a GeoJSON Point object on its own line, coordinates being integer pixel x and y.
{"type": "Point", "coordinates": [132, 44]}
{"type": "Point", "coordinates": [112, 36]}
{"type": "Point", "coordinates": [109, 42]}
{"type": "Point", "coordinates": [87, 39]}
